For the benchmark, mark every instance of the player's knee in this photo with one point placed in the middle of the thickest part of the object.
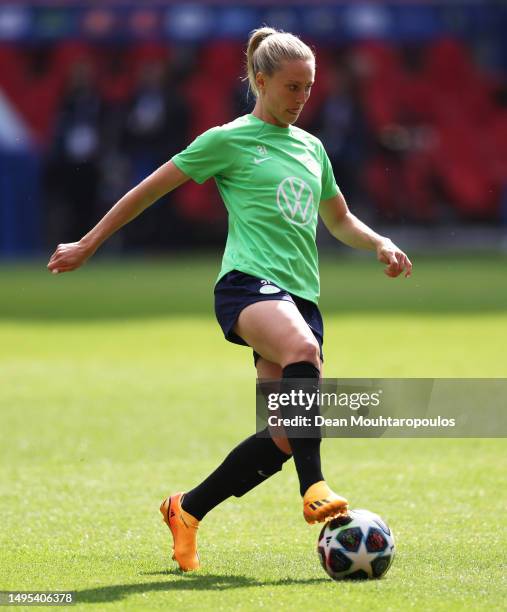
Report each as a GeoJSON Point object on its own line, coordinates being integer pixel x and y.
{"type": "Point", "coordinates": [282, 443]}
{"type": "Point", "coordinates": [306, 350]}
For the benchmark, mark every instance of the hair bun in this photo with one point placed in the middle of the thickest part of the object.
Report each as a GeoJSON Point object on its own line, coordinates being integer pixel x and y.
{"type": "Point", "coordinates": [285, 46]}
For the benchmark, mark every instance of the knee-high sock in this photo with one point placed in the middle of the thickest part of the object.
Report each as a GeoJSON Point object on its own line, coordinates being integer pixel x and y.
{"type": "Point", "coordinates": [306, 451]}
{"type": "Point", "coordinates": [246, 466]}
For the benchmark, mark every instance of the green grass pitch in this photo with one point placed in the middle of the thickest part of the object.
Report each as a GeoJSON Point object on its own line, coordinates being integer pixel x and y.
{"type": "Point", "coordinates": [116, 388]}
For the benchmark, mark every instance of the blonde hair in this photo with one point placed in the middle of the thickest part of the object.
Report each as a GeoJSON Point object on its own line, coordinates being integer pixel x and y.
{"type": "Point", "coordinates": [268, 48]}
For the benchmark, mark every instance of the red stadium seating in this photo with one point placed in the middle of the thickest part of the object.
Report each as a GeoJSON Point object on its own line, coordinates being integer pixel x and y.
{"type": "Point", "coordinates": [462, 161]}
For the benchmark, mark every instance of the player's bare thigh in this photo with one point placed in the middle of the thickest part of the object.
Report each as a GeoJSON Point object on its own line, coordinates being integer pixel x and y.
{"type": "Point", "coordinates": [276, 330]}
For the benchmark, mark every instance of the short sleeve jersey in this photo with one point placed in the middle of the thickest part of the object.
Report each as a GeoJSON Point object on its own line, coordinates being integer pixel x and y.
{"type": "Point", "coordinates": [271, 180]}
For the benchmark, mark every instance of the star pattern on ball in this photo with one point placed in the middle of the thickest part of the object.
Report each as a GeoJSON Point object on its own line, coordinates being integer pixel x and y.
{"type": "Point", "coordinates": [361, 559]}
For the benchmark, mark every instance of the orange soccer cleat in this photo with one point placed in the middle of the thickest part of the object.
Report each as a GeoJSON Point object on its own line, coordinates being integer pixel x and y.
{"type": "Point", "coordinates": [183, 528]}
{"type": "Point", "coordinates": [321, 504]}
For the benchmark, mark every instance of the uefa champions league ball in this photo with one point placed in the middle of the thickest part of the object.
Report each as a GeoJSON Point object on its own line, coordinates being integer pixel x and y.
{"type": "Point", "coordinates": [356, 547]}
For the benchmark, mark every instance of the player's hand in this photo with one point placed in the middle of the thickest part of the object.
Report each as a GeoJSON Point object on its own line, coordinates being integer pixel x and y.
{"type": "Point", "coordinates": [68, 257]}
{"type": "Point", "coordinates": [395, 258]}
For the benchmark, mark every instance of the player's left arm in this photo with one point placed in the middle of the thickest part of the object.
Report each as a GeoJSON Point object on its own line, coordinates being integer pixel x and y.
{"type": "Point", "coordinates": [347, 228]}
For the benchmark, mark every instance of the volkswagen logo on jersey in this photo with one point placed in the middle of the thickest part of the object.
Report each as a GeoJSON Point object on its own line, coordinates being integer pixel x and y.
{"type": "Point", "coordinates": [295, 199]}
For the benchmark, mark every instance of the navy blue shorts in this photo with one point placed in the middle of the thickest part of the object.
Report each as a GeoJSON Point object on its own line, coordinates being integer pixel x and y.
{"type": "Point", "coordinates": [236, 290]}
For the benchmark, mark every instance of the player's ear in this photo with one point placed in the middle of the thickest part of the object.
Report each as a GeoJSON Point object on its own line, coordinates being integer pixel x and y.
{"type": "Point", "coordinates": [260, 79]}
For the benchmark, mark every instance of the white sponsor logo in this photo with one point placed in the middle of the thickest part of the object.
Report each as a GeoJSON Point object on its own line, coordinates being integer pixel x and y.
{"type": "Point", "coordinates": [262, 159]}
{"type": "Point", "coordinates": [269, 289]}
{"type": "Point", "coordinates": [295, 199]}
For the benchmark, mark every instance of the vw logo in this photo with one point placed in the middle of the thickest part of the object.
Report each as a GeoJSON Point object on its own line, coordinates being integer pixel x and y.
{"type": "Point", "coordinates": [295, 199]}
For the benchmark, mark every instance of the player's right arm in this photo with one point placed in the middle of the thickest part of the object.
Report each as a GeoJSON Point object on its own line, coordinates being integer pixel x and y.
{"type": "Point", "coordinates": [72, 255]}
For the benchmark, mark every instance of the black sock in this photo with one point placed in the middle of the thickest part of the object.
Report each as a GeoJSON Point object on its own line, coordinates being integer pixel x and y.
{"type": "Point", "coordinates": [246, 466]}
{"type": "Point", "coordinates": [306, 451]}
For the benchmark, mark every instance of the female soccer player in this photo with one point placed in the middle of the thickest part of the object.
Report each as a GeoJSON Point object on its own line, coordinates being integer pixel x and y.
{"type": "Point", "coordinates": [273, 178]}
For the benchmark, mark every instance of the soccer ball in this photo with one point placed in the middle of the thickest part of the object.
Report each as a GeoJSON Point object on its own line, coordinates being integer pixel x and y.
{"type": "Point", "coordinates": [356, 547]}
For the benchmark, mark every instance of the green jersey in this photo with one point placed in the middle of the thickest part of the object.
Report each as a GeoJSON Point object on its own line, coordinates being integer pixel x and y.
{"type": "Point", "coordinates": [271, 180]}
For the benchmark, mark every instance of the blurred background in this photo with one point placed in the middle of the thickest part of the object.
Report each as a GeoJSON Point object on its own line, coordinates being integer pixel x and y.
{"type": "Point", "coordinates": [410, 102]}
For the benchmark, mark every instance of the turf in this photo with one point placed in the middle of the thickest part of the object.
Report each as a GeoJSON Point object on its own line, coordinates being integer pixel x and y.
{"type": "Point", "coordinates": [116, 388]}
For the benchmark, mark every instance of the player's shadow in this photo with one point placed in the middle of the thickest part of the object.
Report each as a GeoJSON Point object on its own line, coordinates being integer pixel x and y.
{"type": "Point", "coordinates": [187, 582]}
